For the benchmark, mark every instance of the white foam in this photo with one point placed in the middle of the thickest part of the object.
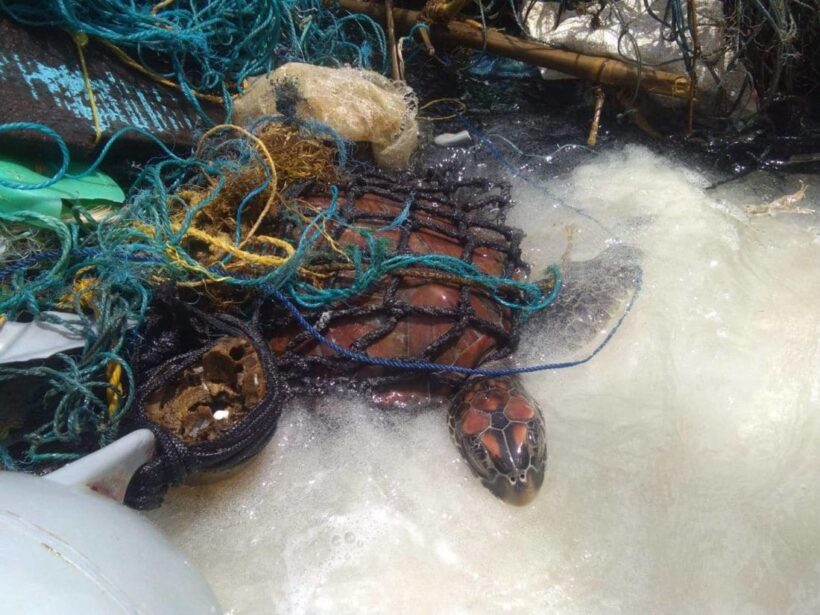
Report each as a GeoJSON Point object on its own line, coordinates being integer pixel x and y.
{"type": "Point", "coordinates": [683, 459]}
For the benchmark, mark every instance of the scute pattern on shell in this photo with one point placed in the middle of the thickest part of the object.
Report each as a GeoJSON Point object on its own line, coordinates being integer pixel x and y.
{"type": "Point", "coordinates": [418, 313]}
{"type": "Point", "coordinates": [491, 418]}
{"type": "Point", "coordinates": [408, 314]}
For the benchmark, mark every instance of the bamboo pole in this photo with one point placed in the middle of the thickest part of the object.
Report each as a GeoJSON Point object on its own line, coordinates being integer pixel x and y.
{"type": "Point", "coordinates": [592, 139]}
{"type": "Point", "coordinates": [428, 44]}
{"type": "Point", "coordinates": [391, 40]}
{"type": "Point", "coordinates": [595, 69]}
{"type": "Point", "coordinates": [693, 21]}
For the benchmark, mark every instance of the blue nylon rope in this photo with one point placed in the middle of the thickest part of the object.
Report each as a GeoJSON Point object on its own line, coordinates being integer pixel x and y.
{"type": "Point", "coordinates": [405, 364]}
{"type": "Point", "coordinates": [428, 366]}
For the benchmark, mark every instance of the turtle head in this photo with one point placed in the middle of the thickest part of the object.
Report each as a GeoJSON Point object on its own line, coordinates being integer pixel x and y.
{"type": "Point", "coordinates": [515, 459]}
{"type": "Point", "coordinates": [500, 432]}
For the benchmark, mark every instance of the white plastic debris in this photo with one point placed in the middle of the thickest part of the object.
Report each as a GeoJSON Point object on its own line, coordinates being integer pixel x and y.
{"type": "Point", "coordinates": [628, 31]}
{"type": "Point", "coordinates": [25, 341]}
{"type": "Point", "coordinates": [68, 547]}
{"type": "Point", "coordinates": [453, 139]}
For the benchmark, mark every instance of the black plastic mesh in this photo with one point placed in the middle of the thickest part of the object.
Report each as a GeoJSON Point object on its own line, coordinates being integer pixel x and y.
{"type": "Point", "coordinates": [463, 218]}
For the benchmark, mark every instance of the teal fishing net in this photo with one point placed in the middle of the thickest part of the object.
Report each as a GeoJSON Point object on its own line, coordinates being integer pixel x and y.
{"type": "Point", "coordinates": [174, 230]}
{"type": "Point", "coordinates": [212, 46]}
{"type": "Point", "coordinates": [215, 382]}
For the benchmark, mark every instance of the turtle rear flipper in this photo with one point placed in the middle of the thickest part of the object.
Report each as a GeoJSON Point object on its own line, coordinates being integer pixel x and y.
{"type": "Point", "coordinates": [594, 297]}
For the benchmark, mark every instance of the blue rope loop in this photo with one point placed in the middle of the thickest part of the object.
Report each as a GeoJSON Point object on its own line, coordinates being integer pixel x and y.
{"type": "Point", "coordinates": [272, 291]}
{"type": "Point", "coordinates": [65, 155]}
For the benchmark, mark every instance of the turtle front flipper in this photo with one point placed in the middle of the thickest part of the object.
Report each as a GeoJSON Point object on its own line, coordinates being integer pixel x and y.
{"type": "Point", "coordinates": [500, 431]}
{"type": "Point", "coordinates": [594, 297]}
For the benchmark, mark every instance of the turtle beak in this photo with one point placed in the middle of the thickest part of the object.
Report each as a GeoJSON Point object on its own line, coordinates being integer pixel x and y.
{"type": "Point", "coordinates": [517, 490]}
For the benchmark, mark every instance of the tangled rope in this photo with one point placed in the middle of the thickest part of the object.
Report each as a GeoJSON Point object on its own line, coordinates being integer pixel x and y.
{"type": "Point", "coordinates": [209, 47]}
{"type": "Point", "coordinates": [200, 221]}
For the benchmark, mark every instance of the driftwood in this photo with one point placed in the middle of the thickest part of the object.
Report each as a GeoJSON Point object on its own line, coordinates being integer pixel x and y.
{"type": "Point", "coordinates": [595, 69]}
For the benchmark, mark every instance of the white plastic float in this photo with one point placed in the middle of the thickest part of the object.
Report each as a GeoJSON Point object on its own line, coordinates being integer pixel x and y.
{"type": "Point", "coordinates": [68, 545]}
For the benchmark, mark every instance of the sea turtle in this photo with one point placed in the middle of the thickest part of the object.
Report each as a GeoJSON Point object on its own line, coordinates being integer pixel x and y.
{"type": "Point", "coordinates": [420, 313]}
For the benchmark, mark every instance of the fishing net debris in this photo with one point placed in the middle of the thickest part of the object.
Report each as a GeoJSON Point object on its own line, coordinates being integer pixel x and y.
{"type": "Point", "coordinates": [204, 380]}
{"type": "Point", "coordinates": [359, 105]}
{"type": "Point", "coordinates": [178, 296]}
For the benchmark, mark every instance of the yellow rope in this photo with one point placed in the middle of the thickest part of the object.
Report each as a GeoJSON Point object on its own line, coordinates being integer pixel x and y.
{"type": "Point", "coordinates": [250, 258]}
{"type": "Point", "coordinates": [274, 179]}
{"type": "Point", "coordinates": [222, 245]}
{"type": "Point", "coordinates": [261, 260]}
{"type": "Point", "coordinates": [438, 118]}
{"type": "Point", "coordinates": [81, 40]}
{"type": "Point", "coordinates": [194, 197]}
{"type": "Point", "coordinates": [84, 290]}
{"type": "Point", "coordinates": [176, 258]}
{"type": "Point", "coordinates": [114, 374]}
{"type": "Point", "coordinates": [271, 166]}
{"type": "Point", "coordinates": [161, 5]}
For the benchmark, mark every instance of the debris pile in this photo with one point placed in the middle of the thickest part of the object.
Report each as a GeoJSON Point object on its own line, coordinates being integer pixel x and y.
{"type": "Point", "coordinates": [384, 114]}
{"type": "Point", "coordinates": [242, 134]}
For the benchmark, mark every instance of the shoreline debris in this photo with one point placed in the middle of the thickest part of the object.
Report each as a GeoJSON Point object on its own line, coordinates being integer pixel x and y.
{"type": "Point", "coordinates": [593, 69]}
{"type": "Point", "coordinates": [357, 105]}
{"type": "Point", "coordinates": [206, 217]}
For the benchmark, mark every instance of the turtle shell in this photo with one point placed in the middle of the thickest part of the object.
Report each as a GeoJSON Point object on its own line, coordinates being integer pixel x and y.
{"type": "Point", "coordinates": [414, 313]}
{"type": "Point", "coordinates": [418, 312]}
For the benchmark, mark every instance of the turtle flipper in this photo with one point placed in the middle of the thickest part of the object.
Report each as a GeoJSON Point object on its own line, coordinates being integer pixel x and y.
{"type": "Point", "coordinates": [594, 297]}
{"type": "Point", "coordinates": [500, 431]}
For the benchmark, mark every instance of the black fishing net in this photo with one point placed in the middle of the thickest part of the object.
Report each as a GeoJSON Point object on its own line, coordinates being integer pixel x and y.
{"type": "Point", "coordinates": [207, 361]}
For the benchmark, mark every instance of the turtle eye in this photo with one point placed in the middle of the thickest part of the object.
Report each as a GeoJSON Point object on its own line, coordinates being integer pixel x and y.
{"type": "Point", "coordinates": [478, 458]}
{"type": "Point", "coordinates": [477, 448]}
{"type": "Point", "coordinates": [536, 440]}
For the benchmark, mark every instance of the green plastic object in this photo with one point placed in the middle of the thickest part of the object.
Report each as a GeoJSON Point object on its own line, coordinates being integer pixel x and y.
{"type": "Point", "coordinates": [96, 187]}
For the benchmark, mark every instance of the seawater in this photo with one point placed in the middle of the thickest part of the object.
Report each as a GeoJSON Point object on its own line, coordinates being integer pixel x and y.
{"type": "Point", "coordinates": [683, 459]}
